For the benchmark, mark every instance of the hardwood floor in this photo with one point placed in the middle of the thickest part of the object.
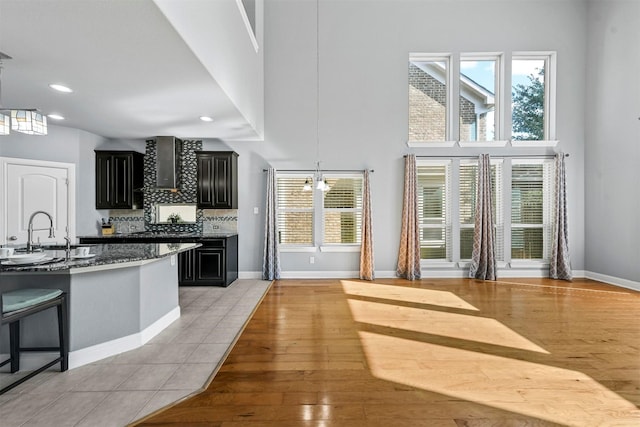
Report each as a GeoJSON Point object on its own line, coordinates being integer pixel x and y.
{"type": "Point", "coordinates": [445, 352]}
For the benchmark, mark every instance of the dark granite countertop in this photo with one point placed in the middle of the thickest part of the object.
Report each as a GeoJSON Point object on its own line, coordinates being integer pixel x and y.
{"type": "Point", "coordinates": [155, 236]}
{"type": "Point", "coordinates": [105, 256]}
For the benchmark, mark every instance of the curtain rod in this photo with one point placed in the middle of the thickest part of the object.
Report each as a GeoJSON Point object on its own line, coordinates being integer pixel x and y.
{"type": "Point", "coordinates": [503, 156]}
{"type": "Point", "coordinates": [320, 170]}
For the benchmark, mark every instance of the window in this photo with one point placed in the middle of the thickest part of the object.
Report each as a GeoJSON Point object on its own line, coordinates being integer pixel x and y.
{"type": "Point", "coordinates": [531, 209]}
{"type": "Point", "coordinates": [295, 211]}
{"type": "Point", "coordinates": [310, 218]}
{"type": "Point", "coordinates": [471, 107]}
{"type": "Point", "coordinates": [532, 97]}
{"type": "Point", "coordinates": [433, 208]}
{"type": "Point", "coordinates": [428, 98]}
{"type": "Point", "coordinates": [342, 210]}
{"type": "Point", "coordinates": [530, 227]}
{"type": "Point", "coordinates": [479, 80]}
{"type": "Point", "coordinates": [467, 206]}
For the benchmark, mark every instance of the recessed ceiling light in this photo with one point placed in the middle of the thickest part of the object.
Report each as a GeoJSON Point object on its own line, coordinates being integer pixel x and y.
{"type": "Point", "coordinates": [206, 119]}
{"type": "Point", "coordinates": [60, 88]}
{"type": "Point", "coordinates": [55, 116]}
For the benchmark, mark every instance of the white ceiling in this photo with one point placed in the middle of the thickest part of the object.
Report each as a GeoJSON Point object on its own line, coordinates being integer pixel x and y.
{"type": "Point", "coordinates": [132, 74]}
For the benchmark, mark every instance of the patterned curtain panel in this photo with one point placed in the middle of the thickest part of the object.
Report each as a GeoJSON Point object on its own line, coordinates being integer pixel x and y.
{"type": "Point", "coordinates": [483, 258]}
{"type": "Point", "coordinates": [409, 252]}
{"type": "Point", "coordinates": [366, 249]}
{"type": "Point", "coordinates": [271, 261]}
{"type": "Point", "coordinates": [560, 263]}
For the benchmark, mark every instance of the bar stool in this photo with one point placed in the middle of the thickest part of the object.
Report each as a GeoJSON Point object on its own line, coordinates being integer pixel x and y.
{"type": "Point", "coordinates": [21, 303]}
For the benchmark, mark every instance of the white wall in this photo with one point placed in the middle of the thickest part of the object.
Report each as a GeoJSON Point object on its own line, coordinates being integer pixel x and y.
{"type": "Point", "coordinates": [217, 35]}
{"type": "Point", "coordinates": [613, 142]}
{"type": "Point", "coordinates": [364, 47]}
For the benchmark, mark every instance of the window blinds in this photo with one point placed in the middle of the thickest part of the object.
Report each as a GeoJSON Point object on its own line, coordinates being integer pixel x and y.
{"type": "Point", "coordinates": [531, 209]}
{"type": "Point", "coordinates": [342, 206]}
{"type": "Point", "coordinates": [295, 211]}
{"type": "Point", "coordinates": [433, 207]}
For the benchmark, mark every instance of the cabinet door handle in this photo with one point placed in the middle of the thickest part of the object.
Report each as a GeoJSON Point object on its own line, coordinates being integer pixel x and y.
{"type": "Point", "coordinates": [13, 238]}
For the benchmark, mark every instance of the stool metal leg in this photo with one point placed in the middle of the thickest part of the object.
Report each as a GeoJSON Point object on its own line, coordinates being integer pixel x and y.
{"type": "Point", "coordinates": [14, 342]}
{"type": "Point", "coordinates": [14, 345]}
{"type": "Point", "coordinates": [62, 335]}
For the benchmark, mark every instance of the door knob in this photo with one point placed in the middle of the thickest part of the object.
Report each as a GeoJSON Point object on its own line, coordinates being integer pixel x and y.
{"type": "Point", "coordinates": [13, 238]}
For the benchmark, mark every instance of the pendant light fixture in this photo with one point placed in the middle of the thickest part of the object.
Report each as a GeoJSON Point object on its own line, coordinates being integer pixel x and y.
{"type": "Point", "coordinates": [307, 185]}
{"type": "Point", "coordinates": [321, 183]}
{"type": "Point", "coordinates": [25, 120]}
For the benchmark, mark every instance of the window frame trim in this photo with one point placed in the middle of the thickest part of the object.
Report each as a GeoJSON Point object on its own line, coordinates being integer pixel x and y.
{"type": "Point", "coordinates": [498, 97]}
{"type": "Point", "coordinates": [339, 247]}
{"type": "Point", "coordinates": [503, 97]}
{"type": "Point", "coordinates": [549, 127]}
{"type": "Point", "coordinates": [448, 163]}
{"type": "Point", "coordinates": [546, 198]}
{"type": "Point", "coordinates": [447, 57]}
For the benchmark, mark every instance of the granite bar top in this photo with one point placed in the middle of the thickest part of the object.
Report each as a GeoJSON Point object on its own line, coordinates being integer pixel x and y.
{"type": "Point", "coordinates": [155, 236]}
{"type": "Point", "coordinates": [102, 257]}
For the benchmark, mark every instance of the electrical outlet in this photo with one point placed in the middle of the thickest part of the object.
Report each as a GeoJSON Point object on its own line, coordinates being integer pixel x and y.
{"type": "Point", "coordinates": [312, 260]}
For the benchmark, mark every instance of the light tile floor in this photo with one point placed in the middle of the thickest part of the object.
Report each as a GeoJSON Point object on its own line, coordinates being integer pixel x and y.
{"type": "Point", "coordinates": [126, 387]}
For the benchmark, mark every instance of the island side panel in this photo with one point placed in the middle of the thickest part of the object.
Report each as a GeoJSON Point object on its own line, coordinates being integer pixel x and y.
{"type": "Point", "coordinates": [158, 290]}
{"type": "Point", "coordinates": [104, 306]}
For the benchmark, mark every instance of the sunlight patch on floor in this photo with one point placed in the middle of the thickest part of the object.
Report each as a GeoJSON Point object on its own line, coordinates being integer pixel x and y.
{"type": "Point", "coordinates": [452, 325]}
{"type": "Point", "coordinates": [537, 390]}
{"type": "Point", "coordinates": [405, 294]}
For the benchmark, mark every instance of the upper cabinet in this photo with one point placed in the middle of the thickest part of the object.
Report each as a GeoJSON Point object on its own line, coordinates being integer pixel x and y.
{"type": "Point", "coordinates": [217, 179]}
{"type": "Point", "coordinates": [119, 179]}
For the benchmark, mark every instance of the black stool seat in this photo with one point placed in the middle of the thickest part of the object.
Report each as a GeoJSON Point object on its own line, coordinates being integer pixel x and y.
{"type": "Point", "coordinates": [21, 303]}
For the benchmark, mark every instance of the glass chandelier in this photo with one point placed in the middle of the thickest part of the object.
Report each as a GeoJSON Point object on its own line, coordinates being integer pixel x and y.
{"type": "Point", "coordinates": [31, 122]}
{"type": "Point", "coordinates": [26, 120]}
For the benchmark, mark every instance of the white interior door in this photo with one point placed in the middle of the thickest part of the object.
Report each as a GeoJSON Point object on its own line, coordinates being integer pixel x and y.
{"type": "Point", "coordinates": [30, 186]}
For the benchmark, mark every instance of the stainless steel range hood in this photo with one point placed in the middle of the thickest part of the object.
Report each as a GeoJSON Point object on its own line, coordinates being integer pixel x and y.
{"type": "Point", "coordinates": [168, 149]}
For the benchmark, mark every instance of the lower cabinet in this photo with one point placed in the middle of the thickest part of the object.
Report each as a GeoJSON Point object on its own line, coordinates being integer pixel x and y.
{"type": "Point", "coordinates": [214, 263]}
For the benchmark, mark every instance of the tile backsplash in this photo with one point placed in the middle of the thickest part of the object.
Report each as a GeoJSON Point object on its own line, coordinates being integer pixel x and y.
{"type": "Point", "coordinates": [127, 221]}
{"type": "Point", "coordinates": [220, 221]}
{"type": "Point", "coordinates": [187, 193]}
{"type": "Point", "coordinates": [207, 220]}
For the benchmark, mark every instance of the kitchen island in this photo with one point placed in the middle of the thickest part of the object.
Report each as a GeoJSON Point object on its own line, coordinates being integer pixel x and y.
{"type": "Point", "coordinates": [215, 263]}
{"type": "Point", "coordinates": [119, 297]}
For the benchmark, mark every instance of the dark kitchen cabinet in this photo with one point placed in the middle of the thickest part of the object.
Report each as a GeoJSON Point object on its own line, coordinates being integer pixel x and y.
{"type": "Point", "coordinates": [119, 179]}
{"type": "Point", "coordinates": [186, 267]}
{"type": "Point", "coordinates": [214, 263]}
{"type": "Point", "coordinates": [217, 179]}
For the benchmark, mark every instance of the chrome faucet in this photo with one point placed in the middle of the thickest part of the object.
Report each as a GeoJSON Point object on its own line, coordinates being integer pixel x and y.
{"type": "Point", "coordinates": [30, 229]}
{"type": "Point", "coordinates": [67, 246]}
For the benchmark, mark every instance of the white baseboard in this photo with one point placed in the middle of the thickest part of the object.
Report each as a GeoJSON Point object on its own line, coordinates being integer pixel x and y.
{"type": "Point", "coordinates": [616, 281]}
{"type": "Point", "coordinates": [427, 273]}
{"type": "Point", "coordinates": [111, 348]}
{"type": "Point", "coordinates": [320, 274]}
{"type": "Point", "coordinates": [250, 275]}
{"type": "Point", "coordinates": [32, 360]}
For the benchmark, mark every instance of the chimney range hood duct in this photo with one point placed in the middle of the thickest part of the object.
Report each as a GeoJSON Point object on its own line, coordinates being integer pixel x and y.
{"type": "Point", "coordinates": [168, 149]}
